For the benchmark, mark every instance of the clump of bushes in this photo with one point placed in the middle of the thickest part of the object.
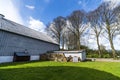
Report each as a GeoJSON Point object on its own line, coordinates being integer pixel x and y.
{"type": "Point", "coordinates": [94, 54]}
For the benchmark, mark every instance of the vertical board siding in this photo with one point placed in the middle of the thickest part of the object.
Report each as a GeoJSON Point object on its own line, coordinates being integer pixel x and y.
{"type": "Point", "coordinates": [10, 43]}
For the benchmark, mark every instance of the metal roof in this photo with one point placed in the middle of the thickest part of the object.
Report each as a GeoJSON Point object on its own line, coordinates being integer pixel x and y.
{"type": "Point", "coordinates": [13, 27]}
{"type": "Point", "coordinates": [73, 52]}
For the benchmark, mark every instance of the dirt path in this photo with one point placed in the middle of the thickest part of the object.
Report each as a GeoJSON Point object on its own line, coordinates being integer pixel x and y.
{"type": "Point", "coordinates": [105, 59]}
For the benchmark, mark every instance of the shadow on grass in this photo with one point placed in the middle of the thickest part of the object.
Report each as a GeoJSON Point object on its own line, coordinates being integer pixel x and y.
{"type": "Point", "coordinates": [55, 73]}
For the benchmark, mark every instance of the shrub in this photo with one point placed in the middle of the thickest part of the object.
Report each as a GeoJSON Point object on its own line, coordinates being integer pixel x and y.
{"type": "Point", "coordinates": [106, 56]}
{"type": "Point", "coordinates": [94, 54]}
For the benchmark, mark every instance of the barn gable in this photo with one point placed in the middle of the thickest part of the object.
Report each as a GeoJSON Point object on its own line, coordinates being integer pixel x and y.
{"type": "Point", "coordinates": [16, 38]}
{"type": "Point", "coordinates": [11, 26]}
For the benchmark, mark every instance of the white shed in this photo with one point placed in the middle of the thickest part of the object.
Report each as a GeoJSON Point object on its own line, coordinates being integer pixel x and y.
{"type": "Point", "coordinates": [80, 54]}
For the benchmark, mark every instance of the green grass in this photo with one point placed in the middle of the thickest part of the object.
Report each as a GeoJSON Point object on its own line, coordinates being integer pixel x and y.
{"type": "Point", "coordinates": [60, 71]}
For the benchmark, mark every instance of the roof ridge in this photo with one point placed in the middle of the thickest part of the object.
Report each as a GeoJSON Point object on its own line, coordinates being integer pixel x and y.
{"type": "Point", "coordinates": [17, 28]}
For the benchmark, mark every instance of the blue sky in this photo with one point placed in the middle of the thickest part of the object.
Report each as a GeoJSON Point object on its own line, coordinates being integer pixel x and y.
{"type": "Point", "coordinates": [36, 14]}
{"type": "Point", "coordinates": [32, 13]}
{"type": "Point", "coordinates": [47, 10]}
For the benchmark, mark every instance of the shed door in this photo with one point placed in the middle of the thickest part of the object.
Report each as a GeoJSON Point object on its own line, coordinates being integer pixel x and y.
{"type": "Point", "coordinates": [75, 59]}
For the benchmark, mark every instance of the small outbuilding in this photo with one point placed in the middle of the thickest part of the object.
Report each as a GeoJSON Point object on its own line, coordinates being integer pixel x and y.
{"type": "Point", "coordinates": [73, 56]}
{"type": "Point", "coordinates": [17, 38]}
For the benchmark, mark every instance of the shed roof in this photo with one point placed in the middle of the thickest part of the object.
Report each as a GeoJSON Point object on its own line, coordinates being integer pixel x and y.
{"type": "Point", "coordinates": [14, 27]}
{"type": "Point", "coordinates": [73, 52]}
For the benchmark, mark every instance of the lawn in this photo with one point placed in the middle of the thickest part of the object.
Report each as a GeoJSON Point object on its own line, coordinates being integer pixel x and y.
{"type": "Point", "coordinates": [48, 70]}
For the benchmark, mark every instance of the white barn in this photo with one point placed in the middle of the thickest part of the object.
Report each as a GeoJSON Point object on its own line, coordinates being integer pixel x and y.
{"type": "Point", "coordinates": [16, 38]}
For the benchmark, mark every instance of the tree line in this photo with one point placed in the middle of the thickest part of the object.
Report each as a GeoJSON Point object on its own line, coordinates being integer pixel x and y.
{"type": "Point", "coordinates": [105, 21]}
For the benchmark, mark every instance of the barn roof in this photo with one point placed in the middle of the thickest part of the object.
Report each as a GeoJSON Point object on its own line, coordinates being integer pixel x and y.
{"type": "Point", "coordinates": [13, 27]}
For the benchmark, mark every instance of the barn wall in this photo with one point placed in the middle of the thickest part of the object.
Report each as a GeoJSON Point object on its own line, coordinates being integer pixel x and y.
{"type": "Point", "coordinates": [6, 59]}
{"type": "Point", "coordinates": [10, 43]}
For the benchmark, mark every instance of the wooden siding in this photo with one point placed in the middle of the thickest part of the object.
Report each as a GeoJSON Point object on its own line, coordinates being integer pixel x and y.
{"type": "Point", "coordinates": [10, 43]}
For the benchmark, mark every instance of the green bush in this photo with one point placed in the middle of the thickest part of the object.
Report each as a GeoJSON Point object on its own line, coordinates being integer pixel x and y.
{"type": "Point", "coordinates": [94, 54]}
{"type": "Point", "coordinates": [106, 56]}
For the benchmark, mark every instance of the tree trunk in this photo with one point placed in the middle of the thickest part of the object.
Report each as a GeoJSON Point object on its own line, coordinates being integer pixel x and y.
{"type": "Point", "coordinates": [63, 43]}
{"type": "Point", "coordinates": [111, 43]}
{"type": "Point", "coordinates": [112, 46]}
{"type": "Point", "coordinates": [99, 51]}
{"type": "Point", "coordinates": [75, 41]}
{"type": "Point", "coordinates": [78, 43]}
{"type": "Point", "coordinates": [59, 41]}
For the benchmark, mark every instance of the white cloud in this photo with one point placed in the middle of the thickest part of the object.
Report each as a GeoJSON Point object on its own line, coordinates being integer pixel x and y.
{"type": "Point", "coordinates": [10, 11]}
{"type": "Point", "coordinates": [115, 2]}
{"type": "Point", "coordinates": [30, 7]}
{"type": "Point", "coordinates": [91, 41]}
{"type": "Point", "coordinates": [79, 2]}
{"type": "Point", "coordinates": [36, 24]}
{"type": "Point", "coordinates": [117, 42]}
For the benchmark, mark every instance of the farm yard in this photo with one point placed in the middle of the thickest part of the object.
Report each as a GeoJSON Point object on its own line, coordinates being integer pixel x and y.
{"type": "Point", "coordinates": [46, 40]}
{"type": "Point", "coordinates": [49, 70]}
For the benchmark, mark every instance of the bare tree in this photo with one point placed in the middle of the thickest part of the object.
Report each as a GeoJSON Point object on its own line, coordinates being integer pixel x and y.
{"type": "Point", "coordinates": [76, 20]}
{"type": "Point", "coordinates": [56, 27]}
{"type": "Point", "coordinates": [117, 11]}
{"type": "Point", "coordinates": [95, 24]}
{"type": "Point", "coordinates": [102, 47]}
{"type": "Point", "coordinates": [109, 20]}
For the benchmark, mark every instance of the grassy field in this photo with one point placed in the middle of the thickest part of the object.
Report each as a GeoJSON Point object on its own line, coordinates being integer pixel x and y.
{"type": "Point", "coordinates": [60, 71]}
